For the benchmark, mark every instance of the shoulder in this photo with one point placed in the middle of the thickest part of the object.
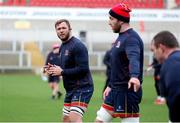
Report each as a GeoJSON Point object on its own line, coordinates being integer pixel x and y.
{"type": "Point", "coordinates": [173, 57]}
{"type": "Point", "coordinates": [172, 61]}
{"type": "Point", "coordinates": [133, 36]}
{"type": "Point", "coordinates": [78, 43]}
{"type": "Point", "coordinates": [108, 52]}
{"type": "Point", "coordinates": [50, 53]}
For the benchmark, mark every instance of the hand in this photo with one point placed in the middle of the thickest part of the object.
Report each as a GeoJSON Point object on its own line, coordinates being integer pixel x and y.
{"type": "Point", "coordinates": [55, 70]}
{"type": "Point", "coordinates": [149, 68]}
{"type": "Point", "coordinates": [106, 92]}
{"type": "Point", "coordinates": [46, 68]}
{"type": "Point", "coordinates": [135, 83]}
{"type": "Point", "coordinates": [158, 77]}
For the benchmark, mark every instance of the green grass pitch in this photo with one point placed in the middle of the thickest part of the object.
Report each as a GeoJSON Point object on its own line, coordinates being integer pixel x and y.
{"type": "Point", "coordinates": [26, 98]}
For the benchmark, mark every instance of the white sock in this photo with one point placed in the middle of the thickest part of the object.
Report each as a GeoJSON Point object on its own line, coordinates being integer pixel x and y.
{"type": "Point", "coordinates": [54, 92]}
{"type": "Point", "coordinates": [158, 97]}
{"type": "Point", "coordinates": [130, 120]}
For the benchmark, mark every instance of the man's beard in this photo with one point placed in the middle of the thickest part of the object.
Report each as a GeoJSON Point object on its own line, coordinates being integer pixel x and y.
{"type": "Point", "coordinates": [117, 30]}
{"type": "Point", "coordinates": [65, 38]}
{"type": "Point", "coordinates": [161, 60]}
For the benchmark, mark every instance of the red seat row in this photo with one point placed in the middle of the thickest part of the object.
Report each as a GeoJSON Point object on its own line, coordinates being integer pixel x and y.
{"type": "Point", "coordinates": [86, 3]}
{"type": "Point", "coordinates": [13, 3]}
{"type": "Point", "coordinates": [177, 3]}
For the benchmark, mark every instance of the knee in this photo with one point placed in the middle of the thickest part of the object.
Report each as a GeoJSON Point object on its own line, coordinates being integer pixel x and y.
{"type": "Point", "coordinates": [76, 114]}
{"type": "Point", "coordinates": [74, 117]}
{"type": "Point", "coordinates": [66, 119]}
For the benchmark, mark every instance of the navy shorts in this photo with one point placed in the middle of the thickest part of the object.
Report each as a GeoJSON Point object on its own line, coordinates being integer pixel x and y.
{"type": "Point", "coordinates": [124, 103]}
{"type": "Point", "coordinates": [53, 79]}
{"type": "Point", "coordinates": [79, 97]}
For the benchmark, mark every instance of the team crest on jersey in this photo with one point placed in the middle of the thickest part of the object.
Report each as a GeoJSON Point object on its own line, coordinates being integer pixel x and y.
{"type": "Point", "coordinates": [66, 52]}
{"type": "Point", "coordinates": [51, 58]}
{"type": "Point", "coordinates": [118, 44]}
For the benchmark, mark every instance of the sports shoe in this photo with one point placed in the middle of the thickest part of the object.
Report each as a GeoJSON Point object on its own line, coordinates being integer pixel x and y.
{"type": "Point", "coordinates": [163, 100]}
{"type": "Point", "coordinates": [159, 101]}
{"type": "Point", "coordinates": [53, 97]}
{"type": "Point", "coordinates": [59, 94]}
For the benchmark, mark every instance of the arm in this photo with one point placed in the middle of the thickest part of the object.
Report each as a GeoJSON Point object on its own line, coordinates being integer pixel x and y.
{"type": "Point", "coordinates": [162, 84]}
{"type": "Point", "coordinates": [133, 54]}
{"type": "Point", "coordinates": [155, 63]}
{"type": "Point", "coordinates": [47, 59]}
{"type": "Point", "coordinates": [45, 67]}
{"type": "Point", "coordinates": [169, 78]}
{"type": "Point", "coordinates": [106, 59]}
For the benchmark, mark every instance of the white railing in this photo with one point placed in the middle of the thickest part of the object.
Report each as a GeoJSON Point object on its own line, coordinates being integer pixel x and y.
{"type": "Point", "coordinates": [22, 56]}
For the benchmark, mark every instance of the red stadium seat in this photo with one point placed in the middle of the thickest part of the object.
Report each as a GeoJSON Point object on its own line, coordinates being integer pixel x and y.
{"type": "Point", "coordinates": [178, 3]}
{"type": "Point", "coordinates": [88, 3]}
{"type": "Point", "coordinates": [14, 3]}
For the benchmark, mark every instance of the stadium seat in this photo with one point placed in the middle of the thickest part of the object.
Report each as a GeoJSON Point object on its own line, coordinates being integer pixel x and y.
{"type": "Point", "coordinates": [14, 3]}
{"type": "Point", "coordinates": [86, 3]}
{"type": "Point", "coordinates": [177, 3]}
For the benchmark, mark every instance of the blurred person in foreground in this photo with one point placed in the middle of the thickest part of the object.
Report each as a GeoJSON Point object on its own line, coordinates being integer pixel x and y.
{"type": "Point", "coordinates": [166, 49]}
{"type": "Point", "coordinates": [160, 100]}
{"type": "Point", "coordinates": [54, 58]}
{"type": "Point", "coordinates": [74, 69]}
{"type": "Point", "coordinates": [124, 92]}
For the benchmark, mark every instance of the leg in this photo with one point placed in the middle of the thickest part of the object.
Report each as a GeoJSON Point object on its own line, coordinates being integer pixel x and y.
{"type": "Point", "coordinates": [76, 113]}
{"type": "Point", "coordinates": [66, 119]}
{"type": "Point", "coordinates": [159, 100]}
{"type": "Point", "coordinates": [56, 87]}
{"type": "Point", "coordinates": [51, 85]}
{"type": "Point", "coordinates": [57, 91]}
{"type": "Point", "coordinates": [130, 120]}
{"type": "Point", "coordinates": [75, 117]}
{"type": "Point", "coordinates": [66, 111]}
{"type": "Point", "coordinates": [103, 115]}
{"type": "Point", "coordinates": [156, 84]}
{"type": "Point", "coordinates": [156, 79]}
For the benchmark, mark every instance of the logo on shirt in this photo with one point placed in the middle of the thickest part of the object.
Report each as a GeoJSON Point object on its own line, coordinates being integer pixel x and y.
{"type": "Point", "coordinates": [119, 109]}
{"type": "Point", "coordinates": [51, 58]}
{"type": "Point", "coordinates": [118, 44]}
{"type": "Point", "coordinates": [66, 52]}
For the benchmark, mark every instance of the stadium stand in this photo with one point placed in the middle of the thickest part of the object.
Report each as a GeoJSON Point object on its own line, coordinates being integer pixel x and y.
{"type": "Point", "coordinates": [25, 55]}
{"type": "Point", "coordinates": [14, 3]}
{"type": "Point", "coordinates": [12, 55]}
{"type": "Point", "coordinates": [36, 56]}
{"type": "Point", "coordinates": [85, 3]}
{"type": "Point", "coordinates": [6, 46]}
{"type": "Point", "coordinates": [177, 3]}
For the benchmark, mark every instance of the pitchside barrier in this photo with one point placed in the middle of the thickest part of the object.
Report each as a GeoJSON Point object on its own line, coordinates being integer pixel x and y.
{"type": "Point", "coordinates": [13, 58]}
